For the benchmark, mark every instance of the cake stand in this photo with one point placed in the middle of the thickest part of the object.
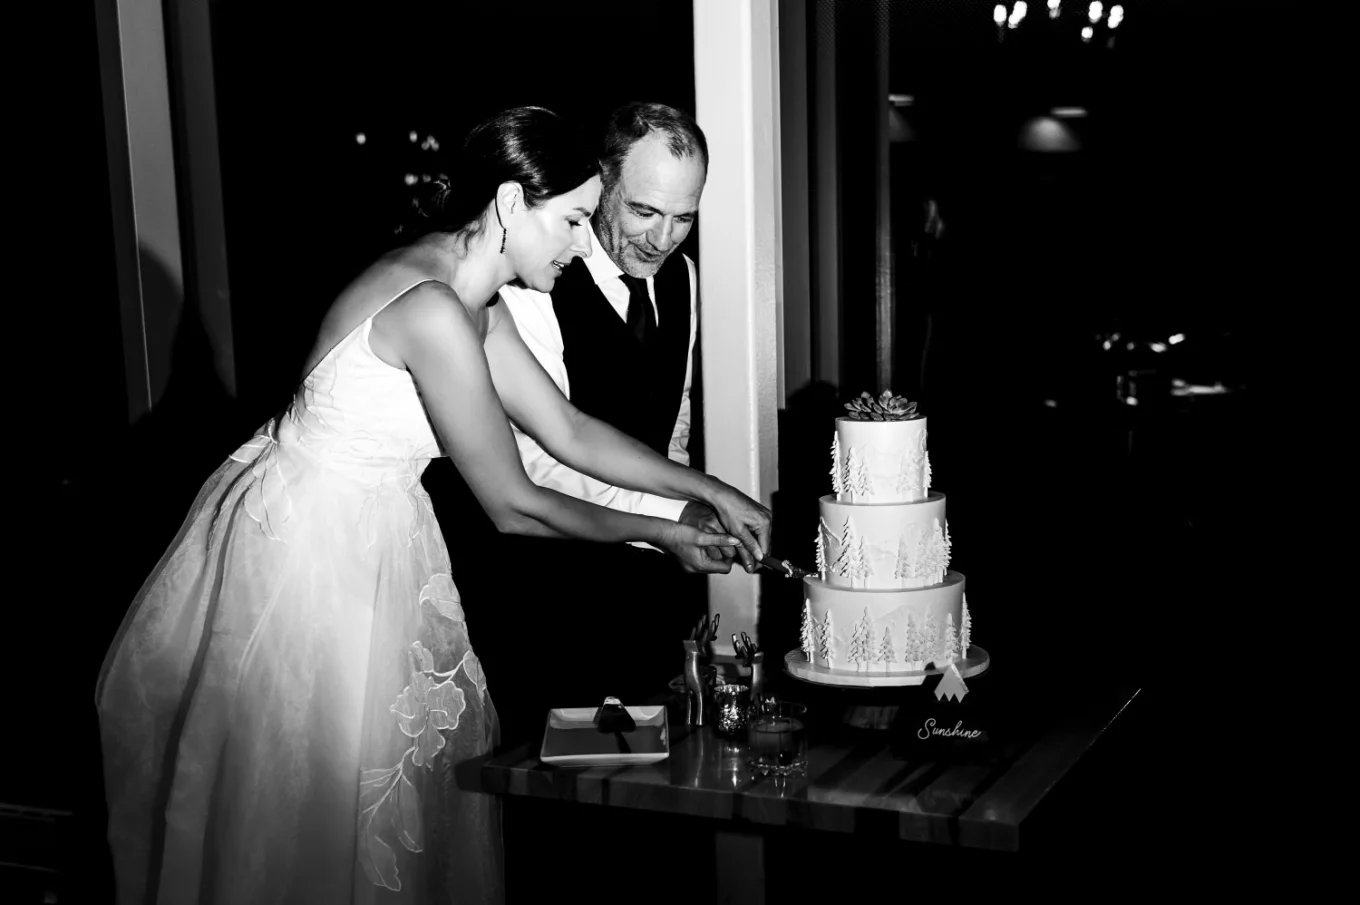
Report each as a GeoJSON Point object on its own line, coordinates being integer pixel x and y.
{"type": "Point", "coordinates": [796, 665]}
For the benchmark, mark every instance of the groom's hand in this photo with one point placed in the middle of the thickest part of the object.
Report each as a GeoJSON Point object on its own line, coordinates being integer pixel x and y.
{"type": "Point", "coordinates": [744, 519]}
{"type": "Point", "coordinates": [701, 516]}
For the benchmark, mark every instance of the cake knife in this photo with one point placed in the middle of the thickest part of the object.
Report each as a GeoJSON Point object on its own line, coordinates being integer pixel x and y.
{"type": "Point", "coordinates": [784, 567]}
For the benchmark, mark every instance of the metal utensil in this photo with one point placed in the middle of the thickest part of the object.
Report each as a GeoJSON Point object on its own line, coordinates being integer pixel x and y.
{"type": "Point", "coordinates": [785, 568]}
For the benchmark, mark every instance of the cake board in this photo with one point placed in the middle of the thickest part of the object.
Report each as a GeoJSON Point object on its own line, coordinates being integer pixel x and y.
{"type": "Point", "coordinates": [796, 665]}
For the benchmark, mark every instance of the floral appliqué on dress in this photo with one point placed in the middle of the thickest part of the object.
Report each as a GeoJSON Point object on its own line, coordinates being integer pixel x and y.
{"type": "Point", "coordinates": [389, 801]}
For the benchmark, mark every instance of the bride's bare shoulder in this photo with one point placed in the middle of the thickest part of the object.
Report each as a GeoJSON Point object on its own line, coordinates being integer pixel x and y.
{"type": "Point", "coordinates": [431, 298]}
{"type": "Point", "coordinates": [394, 293]}
{"type": "Point", "coordinates": [426, 313]}
{"type": "Point", "coordinates": [429, 318]}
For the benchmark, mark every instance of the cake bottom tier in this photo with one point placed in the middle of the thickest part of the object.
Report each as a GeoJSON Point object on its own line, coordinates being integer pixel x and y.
{"type": "Point", "coordinates": [863, 630]}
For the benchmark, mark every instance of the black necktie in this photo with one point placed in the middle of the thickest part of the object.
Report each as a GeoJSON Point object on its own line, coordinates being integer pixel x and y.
{"type": "Point", "coordinates": [641, 317]}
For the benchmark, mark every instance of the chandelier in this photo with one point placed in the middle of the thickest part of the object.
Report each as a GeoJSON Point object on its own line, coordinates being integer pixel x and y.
{"type": "Point", "coordinates": [1096, 25]}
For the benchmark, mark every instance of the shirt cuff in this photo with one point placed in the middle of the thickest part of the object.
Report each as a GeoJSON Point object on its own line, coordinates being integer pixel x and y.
{"type": "Point", "coordinates": [661, 507]}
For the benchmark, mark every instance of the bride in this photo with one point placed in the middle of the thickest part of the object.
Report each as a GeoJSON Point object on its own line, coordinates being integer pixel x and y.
{"type": "Point", "coordinates": [283, 708]}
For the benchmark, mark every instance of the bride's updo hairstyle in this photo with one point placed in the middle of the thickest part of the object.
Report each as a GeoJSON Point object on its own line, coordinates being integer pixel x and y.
{"type": "Point", "coordinates": [528, 145]}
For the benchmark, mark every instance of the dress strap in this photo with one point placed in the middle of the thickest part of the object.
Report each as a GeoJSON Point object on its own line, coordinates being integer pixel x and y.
{"type": "Point", "coordinates": [399, 295]}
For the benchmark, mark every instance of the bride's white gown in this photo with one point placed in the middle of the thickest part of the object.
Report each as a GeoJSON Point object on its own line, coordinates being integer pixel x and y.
{"type": "Point", "coordinates": [284, 705]}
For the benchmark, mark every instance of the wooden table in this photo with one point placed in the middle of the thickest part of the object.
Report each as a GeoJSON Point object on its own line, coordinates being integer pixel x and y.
{"type": "Point", "coordinates": [885, 783]}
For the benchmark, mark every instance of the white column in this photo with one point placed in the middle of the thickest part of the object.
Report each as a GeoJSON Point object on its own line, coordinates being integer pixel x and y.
{"type": "Point", "coordinates": [149, 247]}
{"type": "Point", "coordinates": [736, 71]}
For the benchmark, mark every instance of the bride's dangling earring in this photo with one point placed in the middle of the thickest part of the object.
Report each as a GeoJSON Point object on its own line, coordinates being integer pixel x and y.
{"type": "Point", "coordinates": [502, 223]}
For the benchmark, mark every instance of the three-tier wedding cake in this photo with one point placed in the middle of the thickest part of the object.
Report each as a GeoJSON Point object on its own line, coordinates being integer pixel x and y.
{"type": "Point", "coordinates": [884, 602]}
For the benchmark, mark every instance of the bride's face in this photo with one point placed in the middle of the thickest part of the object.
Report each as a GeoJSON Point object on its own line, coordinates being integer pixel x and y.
{"type": "Point", "coordinates": [553, 233]}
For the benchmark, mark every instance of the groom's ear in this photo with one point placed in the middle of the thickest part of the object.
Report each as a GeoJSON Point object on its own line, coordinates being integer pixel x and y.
{"type": "Point", "coordinates": [510, 196]}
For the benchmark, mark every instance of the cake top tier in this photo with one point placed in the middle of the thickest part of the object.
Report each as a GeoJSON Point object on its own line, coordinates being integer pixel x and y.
{"type": "Point", "coordinates": [880, 461]}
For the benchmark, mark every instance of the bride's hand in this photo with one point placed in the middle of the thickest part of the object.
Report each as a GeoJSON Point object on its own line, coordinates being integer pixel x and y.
{"type": "Point", "coordinates": [701, 516]}
{"type": "Point", "coordinates": [691, 546]}
{"type": "Point", "coordinates": [746, 520]}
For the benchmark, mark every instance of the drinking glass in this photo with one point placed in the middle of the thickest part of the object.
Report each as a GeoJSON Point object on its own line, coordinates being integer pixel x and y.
{"type": "Point", "coordinates": [777, 737]}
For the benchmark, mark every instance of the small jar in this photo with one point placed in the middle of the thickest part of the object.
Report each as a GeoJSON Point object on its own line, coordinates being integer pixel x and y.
{"type": "Point", "coordinates": [730, 705]}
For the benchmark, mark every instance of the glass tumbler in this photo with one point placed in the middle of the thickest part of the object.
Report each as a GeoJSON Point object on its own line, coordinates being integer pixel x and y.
{"type": "Point", "coordinates": [777, 737]}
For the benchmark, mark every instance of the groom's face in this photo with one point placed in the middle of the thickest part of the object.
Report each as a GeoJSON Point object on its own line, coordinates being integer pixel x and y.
{"type": "Point", "coordinates": [650, 209]}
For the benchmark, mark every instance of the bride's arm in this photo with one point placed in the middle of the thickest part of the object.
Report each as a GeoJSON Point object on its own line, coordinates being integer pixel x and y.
{"type": "Point", "coordinates": [535, 403]}
{"type": "Point", "coordinates": [440, 346]}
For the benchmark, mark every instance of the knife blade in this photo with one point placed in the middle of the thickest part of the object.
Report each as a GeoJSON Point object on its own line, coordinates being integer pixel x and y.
{"type": "Point", "coordinates": [784, 567]}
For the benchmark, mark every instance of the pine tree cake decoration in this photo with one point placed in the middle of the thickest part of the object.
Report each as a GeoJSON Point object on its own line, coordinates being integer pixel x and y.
{"type": "Point", "coordinates": [921, 562]}
{"type": "Point", "coordinates": [902, 567]}
{"type": "Point", "coordinates": [939, 556]}
{"type": "Point", "coordinates": [850, 471]}
{"type": "Point", "coordinates": [886, 407]}
{"type": "Point", "coordinates": [966, 628]}
{"type": "Point", "coordinates": [951, 640]}
{"type": "Point", "coordinates": [805, 632]}
{"type": "Point", "coordinates": [824, 641]}
{"type": "Point", "coordinates": [818, 639]}
{"type": "Point", "coordinates": [863, 484]}
{"type": "Point", "coordinates": [931, 639]}
{"type": "Point", "coordinates": [886, 654]}
{"type": "Point", "coordinates": [861, 643]}
{"type": "Point", "coordinates": [821, 555]}
{"type": "Point", "coordinates": [842, 566]}
{"type": "Point", "coordinates": [912, 646]}
{"type": "Point", "coordinates": [837, 484]}
{"type": "Point", "coordinates": [925, 473]}
{"type": "Point", "coordinates": [856, 645]}
{"type": "Point", "coordinates": [859, 564]}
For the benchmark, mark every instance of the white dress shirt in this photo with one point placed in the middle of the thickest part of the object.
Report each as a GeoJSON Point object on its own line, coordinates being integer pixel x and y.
{"type": "Point", "coordinates": [537, 324]}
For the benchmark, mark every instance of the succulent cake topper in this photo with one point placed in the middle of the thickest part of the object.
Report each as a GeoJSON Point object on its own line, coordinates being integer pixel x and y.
{"type": "Point", "coordinates": [886, 407]}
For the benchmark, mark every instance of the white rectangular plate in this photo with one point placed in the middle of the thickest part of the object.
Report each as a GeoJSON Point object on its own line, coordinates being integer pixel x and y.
{"type": "Point", "coordinates": [571, 739]}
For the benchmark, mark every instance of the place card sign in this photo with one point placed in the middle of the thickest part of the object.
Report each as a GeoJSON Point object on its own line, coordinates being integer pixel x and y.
{"type": "Point", "coordinates": [944, 733]}
{"type": "Point", "coordinates": [945, 724]}
{"type": "Point", "coordinates": [933, 729]}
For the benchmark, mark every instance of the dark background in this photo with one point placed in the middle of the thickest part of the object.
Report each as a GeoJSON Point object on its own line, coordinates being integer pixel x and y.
{"type": "Point", "coordinates": [1089, 525]}
{"type": "Point", "coordinates": [292, 98]}
{"type": "Point", "coordinates": [1096, 534]}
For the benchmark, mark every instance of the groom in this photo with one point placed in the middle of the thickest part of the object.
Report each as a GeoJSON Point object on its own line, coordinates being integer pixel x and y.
{"type": "Point", "coordinates": [617, 335]}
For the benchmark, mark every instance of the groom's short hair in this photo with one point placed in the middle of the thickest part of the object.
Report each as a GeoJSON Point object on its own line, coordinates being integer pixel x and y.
{"type": "Point", "coordinates": [633, 122]}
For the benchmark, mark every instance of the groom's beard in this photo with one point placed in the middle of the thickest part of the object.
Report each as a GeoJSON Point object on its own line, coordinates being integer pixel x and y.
{"type": "Point", "coordinates": [605, 225]}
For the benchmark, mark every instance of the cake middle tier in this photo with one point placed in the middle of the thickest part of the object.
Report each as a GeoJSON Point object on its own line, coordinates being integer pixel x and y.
{"type": "Point", "coordinates": [883, 545]}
